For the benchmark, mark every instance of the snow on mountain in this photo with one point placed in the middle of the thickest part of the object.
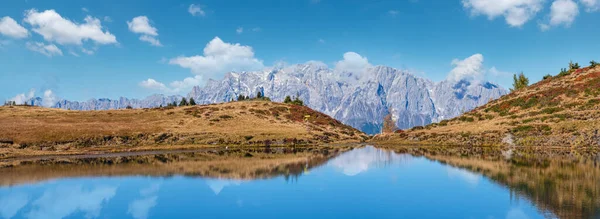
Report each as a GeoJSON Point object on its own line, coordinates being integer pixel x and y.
{"type": "Point", "coordinates": [361, 101]}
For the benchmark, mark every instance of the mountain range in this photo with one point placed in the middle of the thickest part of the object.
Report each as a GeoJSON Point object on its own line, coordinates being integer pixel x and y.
{"type": "Point", "coordinates": [359, 100]}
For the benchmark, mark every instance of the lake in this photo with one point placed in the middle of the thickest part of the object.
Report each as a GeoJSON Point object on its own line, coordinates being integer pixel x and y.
{"type": "Point", "coordinates": [366, 182]}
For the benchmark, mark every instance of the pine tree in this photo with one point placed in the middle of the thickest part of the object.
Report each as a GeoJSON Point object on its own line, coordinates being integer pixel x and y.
{"type": "Point", "coordinates": [241, 97]}
{"type": "Point", "coordinates": [247, 97]}
{"type": "Point", "coordinates": [183, 102]}
{"type": "Point", "coordinates": [174, 103]}
{"type": "Point", "coordinates": [287, 99]}
{"type": "Point", "coordinates": [593, 64]}
{"type": "Point", "coordinates": [519, 82]}
{"type": "Point", "coordinates": [259, 95]}
{"type": "Point", "coordinates": [192, 102]}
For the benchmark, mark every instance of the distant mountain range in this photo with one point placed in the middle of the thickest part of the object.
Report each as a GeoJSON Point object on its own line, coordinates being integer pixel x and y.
{"type": "Point", "coordinates": [357, 100]}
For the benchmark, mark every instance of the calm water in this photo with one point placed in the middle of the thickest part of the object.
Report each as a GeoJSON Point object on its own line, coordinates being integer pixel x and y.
{"type": "Point", "coordinates": [363, 183]}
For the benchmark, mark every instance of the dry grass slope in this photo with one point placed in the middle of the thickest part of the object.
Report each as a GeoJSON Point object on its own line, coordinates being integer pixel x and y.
{"type": "Point", "coordinates": [561, 111]}
{"type": "Point", "coordinates": [34, 130]}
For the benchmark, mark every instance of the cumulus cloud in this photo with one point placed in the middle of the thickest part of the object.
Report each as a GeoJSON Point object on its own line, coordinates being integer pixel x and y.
{"type": "Point", "coordinates": [22, 98]}
{"type": "Point", "coordinates": [515, 12]}
{"type": "Point", "coordinates": [10, 28]}
{"type": "Point", "coordinates": [563, 12]}
{"type": "Point", "coordinates": [49, 99]}
{"type": "Point", "coordinates": [46, 49]}
{"type": "Point", "coordinates": [153, 41]}
{"type": "Point", "coordinates": [196, 10]}
{"type": "Point", "coordinates": [54, 28]}
{"type": "Point", "coordinates": [175, 86]}
{"type": "Point", "coordinates": [141, 25]}
{"type": "Point", "coordinates": [220, 57]}
{"type": "Point", "coordinates": [239, 30]}
{"type": "Point", "coordinates": [591, 5]}
{"type": "Point", "coordinates": [469, 68]}
{"type": "Point", "coordinates": [153, 84]}
{"type": "Point", "coordinates": [352, 62]}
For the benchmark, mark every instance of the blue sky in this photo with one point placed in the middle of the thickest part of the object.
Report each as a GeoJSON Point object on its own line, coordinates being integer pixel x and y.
{"type": "Point", "coordinates": [51, 45]}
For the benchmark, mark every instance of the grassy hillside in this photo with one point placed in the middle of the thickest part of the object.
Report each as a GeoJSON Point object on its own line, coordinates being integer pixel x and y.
{"type": "Point", "coordinates": [563, 110]}
{"type": "Point", "coordinates": [30, 130]}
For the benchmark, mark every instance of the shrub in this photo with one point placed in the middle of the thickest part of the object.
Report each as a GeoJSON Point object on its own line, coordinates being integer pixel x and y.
{"type": "Point", "coordinates": [593, 64]}
{"type": "Point", "coordinates": [128, 107]}
{"type": "Point", "coordinates": [551, 110]}
{"type": "Point", "coordinates": [563, 72]}
{"type": "Point", "coordinates": [226, 117]}
{"type": "Point", "coordinates": [548, 76]}
{"type": "Point", "coordinates": [573, 66]}
{"type": "Point", "coordinates": [287, 99]}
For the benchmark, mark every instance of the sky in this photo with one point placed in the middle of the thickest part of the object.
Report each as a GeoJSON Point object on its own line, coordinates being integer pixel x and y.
{"type": "Point", "coordinates": [83, 49]}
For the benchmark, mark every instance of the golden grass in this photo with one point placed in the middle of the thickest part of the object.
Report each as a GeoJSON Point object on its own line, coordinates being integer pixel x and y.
{"type": "Point", "coordinates": [26, 130]}
{"type": "Point", "coordinates": [561, 111]}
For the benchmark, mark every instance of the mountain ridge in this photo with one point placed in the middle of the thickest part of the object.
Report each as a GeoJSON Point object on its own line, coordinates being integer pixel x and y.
{"type": "Point", "coordinates": [360, 100]}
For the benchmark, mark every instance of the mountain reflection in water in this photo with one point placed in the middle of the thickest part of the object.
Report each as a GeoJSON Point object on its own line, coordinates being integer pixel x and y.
{"type": "Point", "coordinates": [365, 182]}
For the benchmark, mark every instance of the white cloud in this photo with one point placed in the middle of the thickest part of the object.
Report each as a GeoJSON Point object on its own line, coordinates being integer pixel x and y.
{"type": "Point", "coordinates": [321, 41]}
{"type": "Point", "coordinates": [563, 12]}
{"type": "Point", "coordinates": [196, 10]}
{"type": "Point", "coordinates": [220, 57]}
{"type": "Point", "coordinates": [469, 68]}
{"type": "Point", "coordinates": [153, 84]}
{"type": "Point", "coordinates": [352, 62]}
{"type": "Point", "coordinates": [591, 5]}
{"type": "Point", "coordinates": [87, 51]}
{"type": "Point", "coordinates": [9, 27]}
{"type": "Point", "coordinates": [175, 86]}
{"type": "Point", "coordinates": [107, 19]}
{"type": "Point", "coordinates": [515, 12]}
{"type": "Point", "coordinates": [85, 10]}
{"type": "Point", "coordinates": [150, 39]}
{"type": "Point", "coordinates": [256, 29]}
{"type": "Point", "coordinates": [49, 99]}
{"type": "Point", "coordinates": [22, 98]}
{"type": "Point", "coordinates": [239, 30]}
{"type": "Point", "coordinates": [54, 28]}
{"type": "Point", "coordinates": [141, 25]}
{"type": "Point", "coordinates": [393, 13]}
{"type": "Point", "coordinates": [46, 49]}
{"type": "Point", "coordinates": [185, 84]}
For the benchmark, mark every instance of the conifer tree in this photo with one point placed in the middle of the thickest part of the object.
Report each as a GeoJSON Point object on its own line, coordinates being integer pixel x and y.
{"type": "Point", "coordinates": [192, 102]}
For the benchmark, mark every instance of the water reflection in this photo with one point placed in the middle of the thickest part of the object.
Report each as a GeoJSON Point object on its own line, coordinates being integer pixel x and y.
{"type": "Point", "coordinates": [354, 184]}
{"type": "Point", "coordinates": [62, 201]}
{"type": "Point", "coordinates": [11, 203]}
{"type": "Point", "coordinates": [360, 160]}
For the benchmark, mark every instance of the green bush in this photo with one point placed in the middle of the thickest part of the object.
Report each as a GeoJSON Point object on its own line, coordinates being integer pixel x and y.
{"type": "Point", "coordinates": [548, 76]}
{"type": "Point", "coordinates": [573, 66]}
{"type": "Point", "coordinates": [551, 110]}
